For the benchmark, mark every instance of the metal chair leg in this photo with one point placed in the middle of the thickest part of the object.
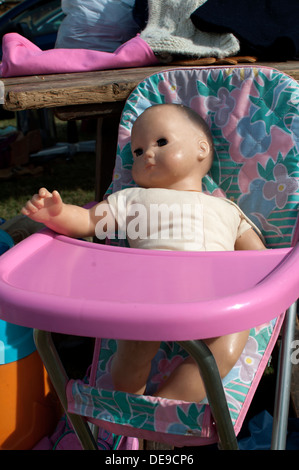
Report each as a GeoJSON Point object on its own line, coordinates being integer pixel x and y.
{"type": "Point", "coordinates": [215, 393]}
{"type": "Point", "coordinates": [49, 356]}
{"type": "Point", "coordinates": [283, 384]}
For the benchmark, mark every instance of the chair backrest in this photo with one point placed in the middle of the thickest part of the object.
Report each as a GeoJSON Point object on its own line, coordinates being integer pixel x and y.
{"type": "Point", "coordinates": [253, 115]}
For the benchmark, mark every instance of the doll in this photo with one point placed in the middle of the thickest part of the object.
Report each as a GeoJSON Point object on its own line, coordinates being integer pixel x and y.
{"type": "Point", "coordinates": [172, 151]}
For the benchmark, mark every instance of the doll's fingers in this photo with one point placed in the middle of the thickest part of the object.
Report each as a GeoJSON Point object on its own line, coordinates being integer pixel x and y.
{"type": "Point", "coordinates": [29, 208]}
{"type": "Point", "coordinates": [43, 192]}
{"type": "Point", "coordinates": [37, 201]}
{"type": "Point", "coordinates": [56, 197]}
{"type": "Point", "coordinates": [24, 211]}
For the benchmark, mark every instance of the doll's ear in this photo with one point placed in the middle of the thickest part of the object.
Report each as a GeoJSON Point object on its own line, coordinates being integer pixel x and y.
{"type": "Point", "coordinates": [204, 156]}
{"type": "Point", "coordinates": [203, 149]}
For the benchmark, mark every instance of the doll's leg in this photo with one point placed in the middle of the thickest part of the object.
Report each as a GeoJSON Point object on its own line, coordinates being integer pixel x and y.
{"type": "Point", "coordinates": [185, 383]}
{"type": "Point", "coordinates": [131, 365]}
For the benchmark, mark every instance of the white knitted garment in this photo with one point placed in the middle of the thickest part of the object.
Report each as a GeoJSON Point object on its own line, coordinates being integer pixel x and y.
{"type": "Point", "coordinates": [170, 30]}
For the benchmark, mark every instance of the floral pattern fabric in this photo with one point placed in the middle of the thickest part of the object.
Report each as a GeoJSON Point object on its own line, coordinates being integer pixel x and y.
{"type": "Point", "coordinates": [253, 115]}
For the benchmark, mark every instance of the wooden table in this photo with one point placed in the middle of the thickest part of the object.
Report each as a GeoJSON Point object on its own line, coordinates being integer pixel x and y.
{"type": "Point", "coordinates": [92, 95]}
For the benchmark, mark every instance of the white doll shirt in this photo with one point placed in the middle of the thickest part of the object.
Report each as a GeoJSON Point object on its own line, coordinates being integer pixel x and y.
{"type": "Point", "coordinates": [166, 219]}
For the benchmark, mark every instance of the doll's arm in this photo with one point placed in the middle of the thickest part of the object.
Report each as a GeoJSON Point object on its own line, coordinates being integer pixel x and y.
{"type": "Point", "coordinates": [66, 219]}
{"type": "Point", "coordinates": [249, 240]}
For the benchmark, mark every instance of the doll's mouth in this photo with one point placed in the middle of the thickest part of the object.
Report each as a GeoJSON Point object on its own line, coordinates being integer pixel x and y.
{"type": "Point", "coordinates": [150, 165]}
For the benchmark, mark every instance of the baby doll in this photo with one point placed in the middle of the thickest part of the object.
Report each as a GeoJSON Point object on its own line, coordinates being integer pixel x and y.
{"type": "Point", "coordinates": [172, 151]}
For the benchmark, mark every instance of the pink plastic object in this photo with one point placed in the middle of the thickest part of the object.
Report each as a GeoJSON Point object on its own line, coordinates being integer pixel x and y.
{"type": "Point", "coordinates": [54, 283]}
{"type": "Point", "coordinates": [22, 57]}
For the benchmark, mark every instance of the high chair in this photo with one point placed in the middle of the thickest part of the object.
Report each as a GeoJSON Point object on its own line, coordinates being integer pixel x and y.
{"type": "Point", "coordinates": [56, 284]}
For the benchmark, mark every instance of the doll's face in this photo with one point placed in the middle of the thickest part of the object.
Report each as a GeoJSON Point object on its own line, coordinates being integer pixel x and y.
{"type": "Point", "coordinates": [168, 149]}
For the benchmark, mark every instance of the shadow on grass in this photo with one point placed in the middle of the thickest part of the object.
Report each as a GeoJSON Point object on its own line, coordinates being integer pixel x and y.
{"type": "Point", "coordinates": [74, 178]}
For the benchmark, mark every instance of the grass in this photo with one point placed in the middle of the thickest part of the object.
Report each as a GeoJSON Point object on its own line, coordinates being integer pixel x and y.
{"type": "Point", "coordinates": [73, 177]}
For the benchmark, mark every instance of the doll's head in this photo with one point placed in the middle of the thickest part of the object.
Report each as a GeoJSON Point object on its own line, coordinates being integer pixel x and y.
{"type": "Point", "coordinates": [172, 148]}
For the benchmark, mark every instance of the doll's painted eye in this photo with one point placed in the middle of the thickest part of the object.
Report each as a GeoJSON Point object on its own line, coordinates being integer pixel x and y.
{"type": "Point", "coordinates": [162, 142]}
{"type": "Point", "coordinates": [138, 152]}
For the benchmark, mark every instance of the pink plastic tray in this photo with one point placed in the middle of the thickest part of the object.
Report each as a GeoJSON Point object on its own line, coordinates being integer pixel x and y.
{"type": "Point", "coordinates": [58, 284]}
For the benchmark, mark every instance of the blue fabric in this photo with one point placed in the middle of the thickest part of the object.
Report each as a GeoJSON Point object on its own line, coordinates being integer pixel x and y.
{"type": "Point", "coordinates": [6, 241]}
{"type": "Point", "coordinates": [260, 433]}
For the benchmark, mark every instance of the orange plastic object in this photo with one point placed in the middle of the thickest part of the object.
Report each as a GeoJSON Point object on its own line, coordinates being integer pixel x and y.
{"type": "Point", "coordinates": [29, 408]}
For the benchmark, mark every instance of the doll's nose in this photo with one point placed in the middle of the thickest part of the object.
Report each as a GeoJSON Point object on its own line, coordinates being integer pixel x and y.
{"type": "Point", "coordinates": [149, 153]}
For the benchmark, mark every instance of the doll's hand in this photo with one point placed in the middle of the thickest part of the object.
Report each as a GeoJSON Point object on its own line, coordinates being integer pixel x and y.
{"type": "Point", "coordinates": [43, 206]}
